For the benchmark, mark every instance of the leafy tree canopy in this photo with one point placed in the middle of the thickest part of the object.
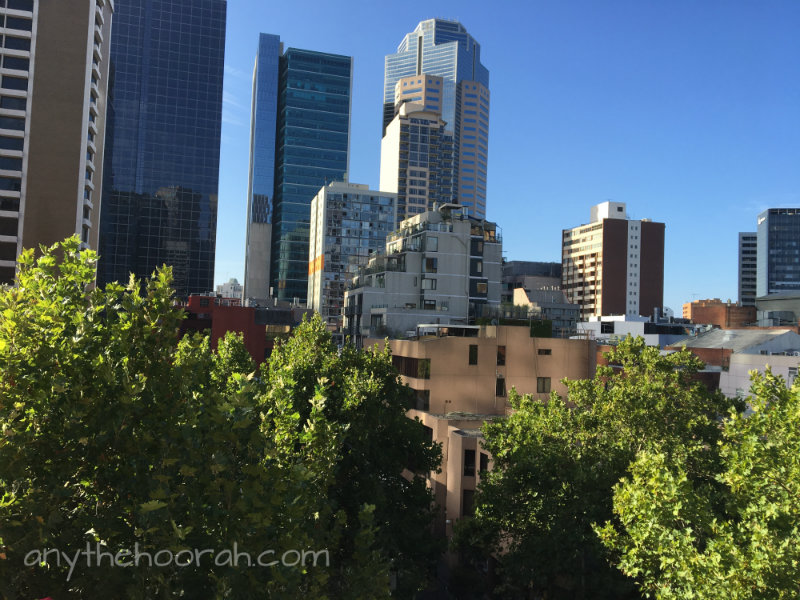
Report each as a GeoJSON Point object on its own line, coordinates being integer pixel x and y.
{"type": "Point", "coordinates": [733, 533]}
{"type": "Point", "coordinates": [556, 462]}
{"type": "Point", "coordinates": [115, 432]}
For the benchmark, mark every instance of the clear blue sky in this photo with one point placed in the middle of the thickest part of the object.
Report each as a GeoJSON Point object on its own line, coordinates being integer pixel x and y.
{"type": "Point", "coordinates": [687, 110]}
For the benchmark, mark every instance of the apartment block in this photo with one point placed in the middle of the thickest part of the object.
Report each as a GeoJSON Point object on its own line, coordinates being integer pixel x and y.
{"type": "Point", "coordinates": [748, 266]}
{"type": "Point", "coordinates": [349, 223]}
{"type": "Point", "coordinates": [417, 160]}
{"type": "Point", "coordinates": [461, 377]}
{"type": "Point", "coordinates": [53, 89]}
{"type": "Point", "coordinates": [614, 265]}
{"type": "Point", "coordinates": [440, 267]}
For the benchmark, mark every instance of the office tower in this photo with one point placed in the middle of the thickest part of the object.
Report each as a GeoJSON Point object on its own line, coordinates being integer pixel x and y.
{"type": "Point", "coordinates": [748, 243]}
{"type": "Point", "coordinates": [162, 160]}
{"type": "Point", "coordinates": [417, 160]}
{"type": "Point", "coordinates": [441, 266]}
{"type": "Point", "coordinates": [299, 142]}
{"type": "Point", "coordinates": [445, 49]}
{"type": "Point", "coordinates": [778, 251]}
{"type": "Point", "coordinates": [312, 149]}
{"type": "Point", "coordinates": [261, 178]}
{"type": "Point", "coordinates": [52, 123]}
{"type": "Point", "coordinates": [349, 222]}
{"type": "Point", "coordinates": [614, 265]}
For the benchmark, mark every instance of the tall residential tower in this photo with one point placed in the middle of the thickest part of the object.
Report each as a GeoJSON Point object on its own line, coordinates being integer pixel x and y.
{"type": "Point", "coordinates": [162, 159]}
{"type": "Point", "coordinates": [52, 122]}
{"type": "Point", "coordinates": [614, 265]}
{"type": "Point", "coordinates": [778, 251]}
{"type": "Point", "coordinates": [445, 49]}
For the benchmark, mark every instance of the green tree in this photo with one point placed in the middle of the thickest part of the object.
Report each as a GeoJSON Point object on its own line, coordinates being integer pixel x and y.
{"type": "Point", "coordinates": [384, 457]}
{"type": "Point", "coordinates": [115, 432]}
{"type": "Point", "coordinates": [556, 462]}
{"type": "Point", "coordinates": [730, 533]}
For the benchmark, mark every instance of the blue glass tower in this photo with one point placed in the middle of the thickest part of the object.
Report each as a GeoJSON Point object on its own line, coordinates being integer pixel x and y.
{"type": "Point", "coordinates": [778, 251]}
{"type": "Point", "coordinates": [161, 167]}
{"type": "Point", "coordinates": [261, 182]}
{"type": "Point", "coordinates": [444, 48]}
{"type": "Point", "coordinates": [311, 150]}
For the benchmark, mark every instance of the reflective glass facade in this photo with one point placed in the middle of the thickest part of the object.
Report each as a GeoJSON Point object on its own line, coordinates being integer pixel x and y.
{"type": "Point", "coordinates": [312, 144]}
{"type": "Point", "coordinates": [163, 137]}
{"type": "Point", "coordinates": [778, 251]}
{"type": "Point", "coordinates": [261, 183]}
{"type": "Point", "coordinates": [444, 48]}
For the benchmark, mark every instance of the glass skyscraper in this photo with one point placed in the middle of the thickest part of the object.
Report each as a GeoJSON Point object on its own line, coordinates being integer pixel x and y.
{"type": "Point", "coordinates": [312, 143]}
{"type": "Point", "coordinates": [444, 48]}
{"type": "Point", "coordinates": [778, 251]}
{"type": "Point", "coordinates": [261, 182]}
{"type": "Point", "coordinates": [161, 167]}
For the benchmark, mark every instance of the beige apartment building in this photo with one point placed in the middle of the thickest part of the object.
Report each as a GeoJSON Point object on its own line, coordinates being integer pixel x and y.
{"type": "Point", "coordinates": [461, 376]}
{"type": "Point", "coordinates": [53, 86]}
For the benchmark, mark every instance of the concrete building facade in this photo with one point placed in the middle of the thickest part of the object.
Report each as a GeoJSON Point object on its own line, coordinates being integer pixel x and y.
{"type": "Point", "coordinates": [614, 265]}
{"type": "Point", "coordinates": [417, 160]}
{"type": "Point", "coordinates": [349, 223]}
{"type": "Point", "coordinates": [441, 266]}
{"type": "Point", "coordinates": [462, 376]}
{"type": "Point", "coordinates": [53, 82]}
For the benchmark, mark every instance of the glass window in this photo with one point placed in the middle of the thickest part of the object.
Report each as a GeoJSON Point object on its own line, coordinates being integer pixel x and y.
{"type": "Point", "coordinates": [484, 466]}
{"type": "Point", "coordinates": [544, 351]}
{"type": "Point", "coordinates": [13, 103]}
{"type": "Point", "coordinates": [15, 43]}
{"type": "Point", "coordinates": [8, 163]}
{"type": "Point", "coordinates": [14, 83]}
{"type": "Point", "coordinates": [468, 503]}
{"type": "Point", "coordinates": [473, 354]}
{"type": "Point", "coordinates": [469, 463]}
{"type": "Point", "coordinates": [11, 143]}
{"type": "Point", "coordinates": [501, 355]}
{"type": "Point", "coordinates": [15, 62]}
{"type": "Point", "coordinates": [543, 385]}
{"type": "Point", "coordinates": [17, 23]}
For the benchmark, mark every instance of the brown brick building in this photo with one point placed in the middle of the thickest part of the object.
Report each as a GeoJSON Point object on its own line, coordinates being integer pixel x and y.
{"type": "Point", "coordinates": [614, 265]}
{"type": "Point", "coordinates": [725, 315]}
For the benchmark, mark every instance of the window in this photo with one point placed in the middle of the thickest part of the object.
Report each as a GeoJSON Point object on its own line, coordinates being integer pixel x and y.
{"type": "Point", "coordinates": [14, 83]}
{"type": "Point", "coordinates": [544, 352]}
{"type": "Point", "coordinates": [473, 354]}
{"type": "Point", "coordinates": [432, 243]}
{"type": "Point", "coordinates": [11, 143]}
{"type": "Point", "coordinates": [13, 103]}
{"type": "Point", "coordinates": [423, 400]}
{"type": "Point", "coordinates": [15, 43]}
{"type": "Point", "coordinates": [15, 62]}
{"type": "Point", "coordinates": [543, 385]}
{"type": "Point", "coordinates": [469, 463]}
{"type": "Point", "coordinates": [21, 5]}
{"type": "Point", "coordinates": [500, 387]}
{"type": "Point", "coordinates": [8, 163]}
{"type": "Point", "coordinates": [12, 123]}
{"type": "Point", "coordinates": [482, 287]}
{"type": "Point", "coordinates": [428, 284]}
{"type": "Point", "coordinates": [431, 265]}
{"type": "Point", "coordinates": [484, 466]}
{"type": "Point", "coordinates": [467, 503]}
{"type": "Point", "coordinates": [429, 304]}
{"type": "Point", "coordinates": [17, 23]}
{"type": "Point", "coordinates": [501, 355]}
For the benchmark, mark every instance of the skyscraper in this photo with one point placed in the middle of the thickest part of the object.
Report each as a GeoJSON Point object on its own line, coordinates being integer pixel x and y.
{"type": "Point", "coordinates": [778, 248]}
{"type": "Point", "coordinates": [445, 49]}
{"type": "Point", "coordinates": [52, 122]}
{"type": "Point", "coordinates": [162, 159]}
{"type": "Point", "coordinates": [261, 178]}
{"type": "Point", "coordinates": [614, 265]}
{"type": "Point", "coordinates": [748, 264]}
{"type": "Point", "coordinates": [309, 93]}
